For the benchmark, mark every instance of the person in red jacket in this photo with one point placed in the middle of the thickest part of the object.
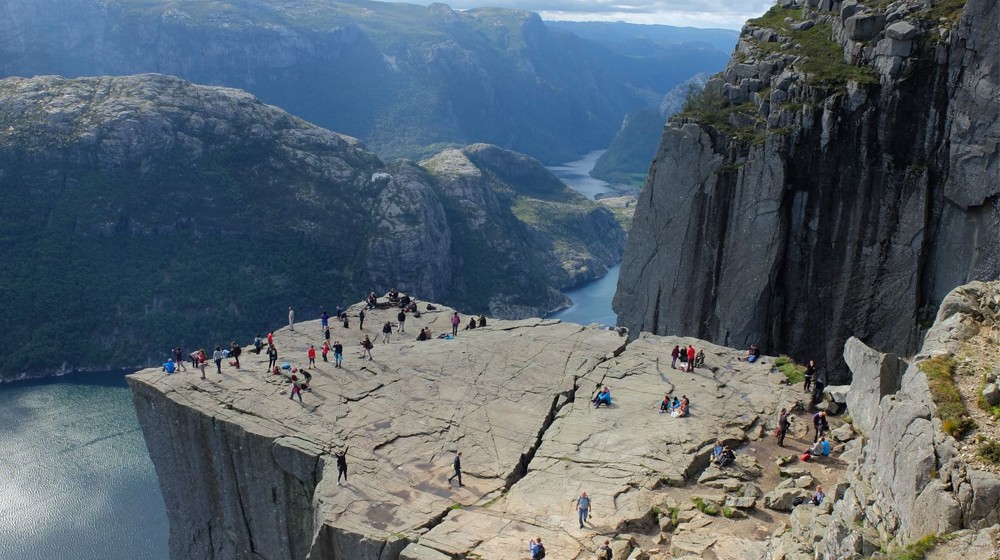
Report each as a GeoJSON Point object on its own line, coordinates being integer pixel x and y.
{"type": "Point", "coordinates": [690, 358]}
{"type": "Point", "coordinates": [312, 356]}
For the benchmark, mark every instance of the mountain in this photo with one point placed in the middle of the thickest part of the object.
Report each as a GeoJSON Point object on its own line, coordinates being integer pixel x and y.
{"type": "Point", "coordinates": [631, 35]}
{"type": "Point", "coordinates": [142, 212]}
{"type": "Point", "coordinates": [626, 161]}
{"type": "Point", "coordinates": [838, 179]}
{"type": "Point", "coordinates": [408, 80]}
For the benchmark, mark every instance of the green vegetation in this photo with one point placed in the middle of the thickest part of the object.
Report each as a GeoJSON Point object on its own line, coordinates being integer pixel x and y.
{"type": "Point", "coordinates": [728, 512]}
{"type": "Point", "coordinates": [823, 58]}
{"type": "Point", "coordinates": [707, 508]}
{"type": "Point", "coordinates": [917, 550]}
{"type": "Point", "coordinates": [453, 507]}
{"type": "Point", "coordinates": [940, 371]}
{"type": "Point", "coordinates": [741, 121]}
{"type": "Point", "coordinates": [950, 10]}
{"type": "Point", "coordinates": [795, 373]}
{"type": "Point", "coordinates": [989, 451]}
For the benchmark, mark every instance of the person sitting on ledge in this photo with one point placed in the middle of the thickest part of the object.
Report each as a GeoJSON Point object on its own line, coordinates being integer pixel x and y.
{"type": "Point", "coordinates": [472, 323]}
{"type": "Point", "coordinates": [602, 397]}
{"type": "Point", "coordinates": [752, 355]}
{"type": "Point", "coordinates": [393, 295]}
{"type": "Point", "coordinates": [482, 321]}
{"type": "Point", "coordinates": [685, 406]}
{"type": "Point", "coordinates": [169, 367]}
{"type": "Point", "coordinates": [819, 496]}
{"type": "Point", "coordinates": [726, 457]}
{"type": "Point", "coordinates": [665, 404]}
{"type": "Point", "coordinates": [425, 334]}
{"type": "Point", "coordinates": [819, 449]}
{"type": "Point", "coordinates": [717, 451]}
{"type": "Point", "coordinates": [699, 360]}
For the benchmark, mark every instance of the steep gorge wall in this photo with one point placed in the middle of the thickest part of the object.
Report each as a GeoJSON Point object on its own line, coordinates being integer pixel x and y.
{"type": "Point", "coordinates": [838, 179]}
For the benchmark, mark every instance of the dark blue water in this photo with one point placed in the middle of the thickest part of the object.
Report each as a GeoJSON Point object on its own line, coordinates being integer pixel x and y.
{"type": "Point", "coordinates": [76, 480]}
{"type": "Point", "coordinates": [592, 301]}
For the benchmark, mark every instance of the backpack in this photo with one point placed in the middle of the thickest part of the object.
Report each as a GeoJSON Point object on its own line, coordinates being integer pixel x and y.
{"type": "Point", "coordinates": [541, 552]}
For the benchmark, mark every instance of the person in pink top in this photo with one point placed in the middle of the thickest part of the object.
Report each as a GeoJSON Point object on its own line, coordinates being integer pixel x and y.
{"type": "Point", "coordinates": [455, 322]}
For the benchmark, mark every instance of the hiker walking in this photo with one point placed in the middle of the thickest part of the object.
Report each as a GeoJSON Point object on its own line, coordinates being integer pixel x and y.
{"type": "Point", "coordinates": [338, 353]}
{"type": "Point", "coordinates": [291, 319]}
{"type": "Point", "coordinates": [401, 317]}
{"type": "Point", "coordinates": [455, 322]}
{"type": "Point", "coordinates": [784, 422]}
{"type": "Point", "coordinates": [341, 465]}
{"type": "Point", "coordinates": [217, 356]}
{"type": "Point", "coordinates": [457, 467]}
{"type": "Point", "coordinates": [367, 346]}
{"type": "Point", "coordinates": [583, 507]}
{"type": "Point", "coordinates": [179, 358]}
{"type": "Point", "coordinates": [386, 331]}
{"type": "Point", "coordinates": [235, 351]}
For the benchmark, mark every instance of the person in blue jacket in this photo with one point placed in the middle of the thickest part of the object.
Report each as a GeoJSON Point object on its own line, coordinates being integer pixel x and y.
{"type": "Point", "coordinates": [602, 397]}
{"type": "Point", "coordinates": [169, 367]}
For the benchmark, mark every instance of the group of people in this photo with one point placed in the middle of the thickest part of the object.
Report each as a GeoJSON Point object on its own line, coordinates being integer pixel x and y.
{"type": "Point", "coordinates": [675, 407]}
{"type": "Point", "coordinates": [688, 358]}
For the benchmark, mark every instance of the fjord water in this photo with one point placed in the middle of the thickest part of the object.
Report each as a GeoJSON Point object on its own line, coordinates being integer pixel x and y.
{"type": "Point", "coordinates": [591, 301]}
{"type": "Point", "coordinates": [77, 481]}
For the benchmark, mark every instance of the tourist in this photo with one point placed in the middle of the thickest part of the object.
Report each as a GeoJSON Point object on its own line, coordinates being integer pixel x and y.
{"type": "Point", "coordinates": [699, 359]}
{"type": "Point", "coordinates": [583, 507]}
{"type": "Point", "coordinates": [326, 334]}
{"type": "Point", "coordinates": [472, 323]}
{"type": "Point", "coordinates": [536, 548]}
{"type": "Point", "coordinates": [602, 397]}
{"type": "Point", "coordinates": [817, 395]}
{"type": "Point", "coordinates": [717, 451]}
{"type": "Point", "coordinates": [195, 357]}
{"type": "Point", "coordinates": [726, 457]}
{"type": "Point", "coordinates": [819, 449]}
{"type": "Point", "coordinates": [341, 465]}
{"type": "Point", "coordinates": [819, 496]}
{"type": "Point", "coordinates": [291, 319]}
{"type": "Point", "coordinates": [366, 346]}
{"type": "Point", "coordinates": [457, 468]}
{"type": "Point", "coordinates": [258, 344]}
{"type": "Point", "coordinates": [820, 425]}
{"type": "Point", "coordinates": [386, 331]}
{"type": "Point", "coordinates": [482, 321]}
{"type": "Point", "coordinates": [338, 353]}
{"type": "Point", "coordinates": [296, 388]}
{"type": "Point", "coordinates": [665, 404]}
{"type": "Point", "coordinates": [324, 320]}
{"type": "Point", "coordinates": [202, 362]}
{"type": "Point", "coordinates": [372, 300]}
{"type": "Point", "coordinates": [347, 322]}
{"type": "Point", "coordinates": [753, 353]}
{"type": "Point", "coordinates": [169, 366]}
{"type": "Point", "coordinates": [179, 358]}
{"type": "Point", "coordinates": [809, 374]}
{"type": "Point", "coordinates": [272, 356]}
{"type": "Point", "coordinates": [325, 350]}
{"type": "Point", "coordinates": [361, 319]}
{"type": "Point", "coordinates": [676, 405]}
{"type": "Point", "coordinates": [217, 356]}
{"type": "Point", "coordinates": [401, 318]}
{"type": "Point", "coordinates": [604, 553]}
{"type": "Point", "coordinates": [784, 422]}
{"type": "Point", "coordinates": [234, 352]}
{"type": "Point", "coordinates": [393, 295]}
{"type": "Point", "coordinates": [455, 322]}
{"type": "Point", "coordinates": [685, 408]}
{"type": "Point", "coordinates": [673, 356]}
{"type": "Point", "coordinates": [690, 353]}
{"type": "Point", "coordinates": [270, 338]}
{"type": "Point", "coordinates": [311, 354]}
{"type": "Point", "coordinates": [340, 312]}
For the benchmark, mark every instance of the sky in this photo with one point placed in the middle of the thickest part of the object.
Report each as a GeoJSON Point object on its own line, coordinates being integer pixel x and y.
{"type": "Point", "coordinates": [729, 14]}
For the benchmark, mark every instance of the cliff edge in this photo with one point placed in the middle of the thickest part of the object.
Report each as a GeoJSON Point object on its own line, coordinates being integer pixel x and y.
{"type": "Point", "coordinates": [837, 180]}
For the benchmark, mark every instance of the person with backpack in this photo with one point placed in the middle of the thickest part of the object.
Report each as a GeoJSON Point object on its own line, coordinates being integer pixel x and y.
{"type": "Point", "coordinates": [386, 331]}
{"type": "Point", "coordinates": [604, 553]}
{"type": "Point", "coordinates": [457, 468]}
{"type": "Point", "coordinates": [536, 548]}
{"type": "Point", "coordinates": [784, 422]}
{"type": "Point", "coordinates": [296, 388]}
{"type": "Point", "coordinates": [673, 356]}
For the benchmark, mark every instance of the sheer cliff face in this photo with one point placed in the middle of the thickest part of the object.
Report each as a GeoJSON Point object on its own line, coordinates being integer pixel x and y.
{"type": "Point", "coordinates": [803, 199]}
{"type": "Point", "coordinates": [144, 212]}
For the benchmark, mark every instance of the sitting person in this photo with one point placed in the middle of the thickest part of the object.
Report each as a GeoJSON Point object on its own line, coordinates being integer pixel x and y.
{"type": "Point", "coordinates": [819, 449]}
{"type": "Point", "coordinates": [393, 295]}
{"type": "Point", "coordinates": [699, 360]}
{"type": "Point", "coordinates": [431, 307]}
{"type": "Point", "coordinates": [602, 397]}
{"type": "Point", "coordinates": [665, 404]}
{"type": "Point", "coordinates": [752, 355]}
{"type": "Point", "coordinates": [169, 367]}
{"type": "Point", "coordinates": [685, 408]}
{"type": "Point", "coordinates": [425, 334]}
{"type": "Point", "coordinates": [717, 451]}
{"type": "Point", "coordinates": [404, 302]}
{"type": "Point", "coordinates": [726, 457]}
{"type": "Point", "coordinates": [472, 323]}
{"type": "Point", "coordinates": [819, 496]}
{"type": "Point", "coordinates": [482, 321]}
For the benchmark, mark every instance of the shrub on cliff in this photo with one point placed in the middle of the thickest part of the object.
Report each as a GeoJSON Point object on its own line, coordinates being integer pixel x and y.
{"type": "Point", "coordinates": [940, 371]}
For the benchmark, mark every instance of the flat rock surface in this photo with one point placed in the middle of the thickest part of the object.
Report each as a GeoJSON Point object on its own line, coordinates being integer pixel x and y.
{"type": "Point", "coordinates": [514, 397]}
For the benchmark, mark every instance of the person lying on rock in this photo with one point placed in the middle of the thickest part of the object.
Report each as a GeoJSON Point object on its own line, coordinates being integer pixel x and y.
{"type": "Point", "coordinates": [602, 397]}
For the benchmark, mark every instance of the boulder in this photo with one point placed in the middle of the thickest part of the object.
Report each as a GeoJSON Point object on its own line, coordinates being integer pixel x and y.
{"type": "Point", "coordinates": [836, 393]}
{"type": "Point", "coordinates": [803, 25]}
{"type": "Point", "coordinates": [741, 502]}
{"type": "Point", "coordinates": [902, 30]}
{"type": "Point", "coordinates": [843, 433]}
{"type": "Point", "coordinates": [991, 393]}
{"type": "Point", "coordinates": [781, 499]}
{"type": "Point", "coordinates": [875, 375]}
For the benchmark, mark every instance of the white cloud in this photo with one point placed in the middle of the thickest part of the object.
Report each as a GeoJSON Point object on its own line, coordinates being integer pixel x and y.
{"type": "Point", "coordinates": [729, 14]}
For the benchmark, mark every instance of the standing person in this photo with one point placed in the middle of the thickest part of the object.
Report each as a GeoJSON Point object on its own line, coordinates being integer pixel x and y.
{"type": "Point", "coordinates": [455, 322]}
{"type": "Point", "coordinates": [311, 354]}
{"type": "Point", "coordinates": [324, 320]}
{"type": "Point", "coordinates": [341, 465]}
{"type": "Point", "coordinates": [536, 548]}
{"type": "Point", "coordinates": [810, 373]}
{"type": "Point", "coordinates": [361, 319]}
{"type": "Point", "coordinates": [291, 319]}
{"type": "Point", "coordinates": [583, 507]}
{"type": "Point", "coordinates": [272, 356]}
{"type": "Point", "coordinates": [604, 553]}
{"type": "Point", "coordinates": [195, 357]}
{"type": "Point", "coordinates": [217, 356]}
{"type": "Point", "coordinates": [326, 334]}
{"type": "Point", "coordinates": [784, 422]}
{"type": "Point", "coordinates": [401, 317]}
{"type": "Point", "coordinates": [202, 362]}
{"type": "Point", "coordinates": [179, 358]}
{"type": "Point", "coordinates": [340, 311]}
{"type": "Point", "coordinates": [386, 331]}
{"type": "Point", "coordinates": [296, 388]}
{"type": "Point", "coordinates": [235, 351]}
{"type": "Point", "coordinates": [367, 346]}
{"type": "Point", "coordinates": [691, 354]}
{"type": "Point", "coordinates": [270, 338]}
{"type": "Point", "coordinates": [338, 352]}
{"type": "Point", "coordinates": [457, 468]}
{"type": "Point", "coordinates": [819, 421]}
{"type": "Point", "coordinates": [325, 350]}
{"type": "Point", "coordinates": [673, 356]}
